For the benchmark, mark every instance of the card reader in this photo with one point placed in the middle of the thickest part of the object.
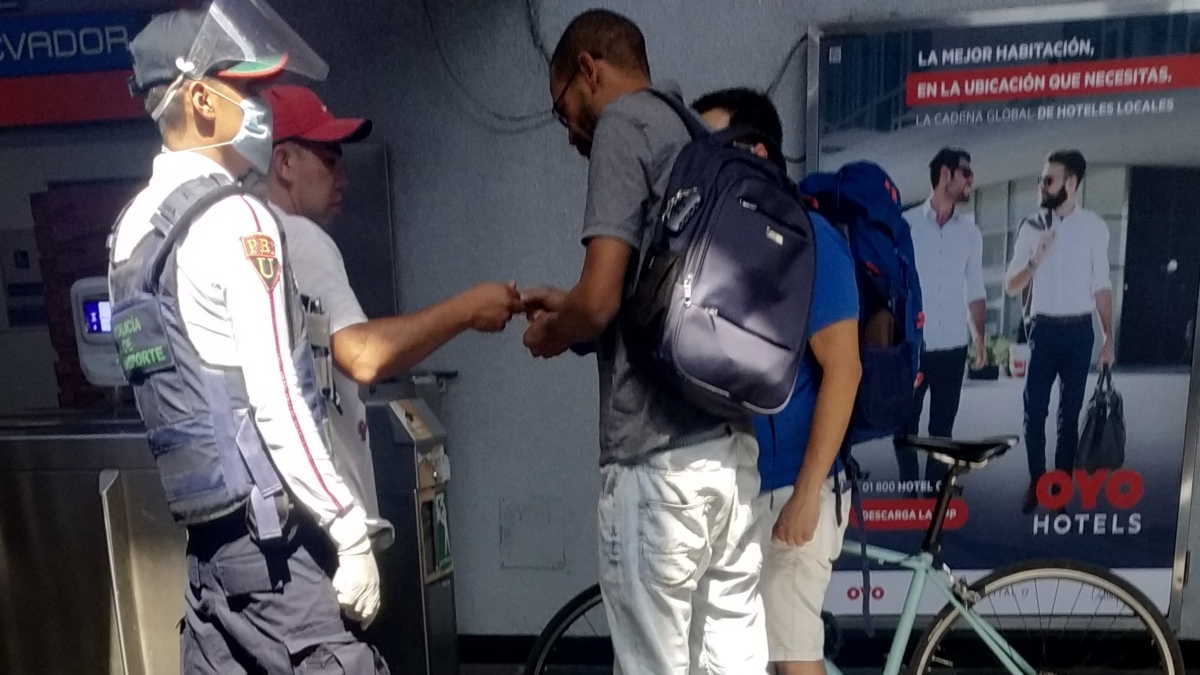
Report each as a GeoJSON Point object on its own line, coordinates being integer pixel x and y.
{"type": "Point", "coordinates": [92, 312]}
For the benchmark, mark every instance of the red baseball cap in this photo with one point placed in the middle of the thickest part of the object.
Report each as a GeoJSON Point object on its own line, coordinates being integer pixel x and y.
{"type": "Point", "coordinates": [299, 113]}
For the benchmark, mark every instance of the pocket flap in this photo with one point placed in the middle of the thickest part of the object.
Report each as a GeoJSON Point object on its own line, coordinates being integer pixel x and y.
{"type": "Point", "coordinates": [251, 573]}
{"type": "Point", "coordinates": [329, 633]}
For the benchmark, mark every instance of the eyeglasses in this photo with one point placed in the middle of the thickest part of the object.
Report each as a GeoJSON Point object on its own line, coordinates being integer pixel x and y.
{"type": "Point", "coordinates": [967, 172]}
{"type": "Point", "coordinates": [1047, 181]}
{"type": "Point", "coordinates": [558, 114]}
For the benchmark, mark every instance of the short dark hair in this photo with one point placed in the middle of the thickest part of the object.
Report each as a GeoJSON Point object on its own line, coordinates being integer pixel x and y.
{"type": "Point", "coordinates": [605, 35]}
{"type": "Point", "coordinates": [950, 158]}
{"type": "Point", "coordinates": [747, 108]}
{"type": "Point", "coordinates": [751, 110]}
{"type": "Point", "coordinates": [172, 115]}
{"type": "Point", "coordinates": [1072, 161]}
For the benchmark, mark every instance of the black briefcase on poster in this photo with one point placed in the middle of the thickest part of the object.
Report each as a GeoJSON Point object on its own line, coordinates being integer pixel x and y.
{"type": "Point", "coordinates": [1102, 441]}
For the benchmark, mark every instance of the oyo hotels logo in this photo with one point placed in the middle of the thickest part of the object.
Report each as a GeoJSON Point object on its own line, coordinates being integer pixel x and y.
{"type": "Point", "coordinates": [1096, 504]}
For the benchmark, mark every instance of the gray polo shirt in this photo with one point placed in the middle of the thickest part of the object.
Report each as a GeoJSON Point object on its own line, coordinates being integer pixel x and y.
{"type": "Point", "coordinates": [634, 147]}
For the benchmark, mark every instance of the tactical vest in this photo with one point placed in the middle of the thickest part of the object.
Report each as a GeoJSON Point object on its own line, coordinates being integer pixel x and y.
{"type": "Point", "coordinates": [199, 421]}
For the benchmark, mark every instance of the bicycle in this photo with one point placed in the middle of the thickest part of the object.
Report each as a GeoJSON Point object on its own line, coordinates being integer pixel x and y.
{"type": "Point", "coordinates": [1009, 591]}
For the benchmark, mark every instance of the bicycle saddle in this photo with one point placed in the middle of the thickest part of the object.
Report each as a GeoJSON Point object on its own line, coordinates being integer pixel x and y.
{"type": "Point", "coordinates": [950, 451]}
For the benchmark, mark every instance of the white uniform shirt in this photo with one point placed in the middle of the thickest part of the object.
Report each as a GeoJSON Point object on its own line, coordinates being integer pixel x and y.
{"type": "Point", "coordinates": [950, 265]}
{"type": "Point", "coordinates": [321, 277]}
{"type": "Point", "coordinates": [1074, 268]}
{"type": "Point", "coordinates": [235, 320]}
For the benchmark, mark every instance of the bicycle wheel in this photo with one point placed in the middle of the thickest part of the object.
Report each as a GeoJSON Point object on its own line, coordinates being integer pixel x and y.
{"type": "Point", "coordinates": [576, 636]}
{"type": "Point", "coordinates": [1063, 617]}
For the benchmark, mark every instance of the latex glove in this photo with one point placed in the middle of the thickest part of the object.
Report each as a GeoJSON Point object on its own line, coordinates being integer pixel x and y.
{"type": "Point", "coordinates": [357, 586]}
{"type": "Point", "coordinates": [357, 579]}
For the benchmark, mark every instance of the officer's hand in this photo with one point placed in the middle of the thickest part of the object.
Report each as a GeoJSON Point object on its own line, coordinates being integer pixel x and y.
{"type": "Point", "coordinates": [357, 586]}
{"type": "Point", "coordinates": [540, 300]}
{"type": "Point", "coordinates": [492, 305]}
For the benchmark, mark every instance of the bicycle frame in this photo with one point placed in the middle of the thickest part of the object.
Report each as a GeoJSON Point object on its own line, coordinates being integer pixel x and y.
{"type": "Point", "coordinates": [924, 573]}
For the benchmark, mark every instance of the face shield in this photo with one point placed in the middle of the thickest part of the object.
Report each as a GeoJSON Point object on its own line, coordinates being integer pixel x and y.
{"type": "Point", "coordinates": [248, 39]}
{"type": "Point", "coordinates": [245, 40]}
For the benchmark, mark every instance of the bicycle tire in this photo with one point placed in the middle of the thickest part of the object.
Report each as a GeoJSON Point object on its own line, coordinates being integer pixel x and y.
{"type": "Point", "coordinates": [1143, 608]}
{"type": "Point", "coordinates": [562, 620]}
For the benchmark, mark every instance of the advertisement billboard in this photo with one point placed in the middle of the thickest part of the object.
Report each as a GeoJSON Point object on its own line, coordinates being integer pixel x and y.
{"type": "Point", "coordinates": [1048, 175]}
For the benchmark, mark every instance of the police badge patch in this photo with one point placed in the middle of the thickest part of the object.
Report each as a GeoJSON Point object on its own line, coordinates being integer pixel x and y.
{"type": "Point", "coordinates": [260, 251]}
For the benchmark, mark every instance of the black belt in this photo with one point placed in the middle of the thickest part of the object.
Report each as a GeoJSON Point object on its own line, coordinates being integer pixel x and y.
{"type": "Point", "coordinates": [1068, 320]}
{"type": "Point", "coordinates": [207, 537]}
{"type": "Point", "coordinates": [211, 535]}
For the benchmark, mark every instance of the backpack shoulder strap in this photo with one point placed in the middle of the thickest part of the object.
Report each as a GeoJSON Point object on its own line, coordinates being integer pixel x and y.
{"type": "Point", "coordinates": [1041, 222]}
{"type": "Point", "coordinates": [177, 213]}
{"type": "Point", "coordinates": [694, 126]}
{"type": "Point", "coordinates": [696, 129]}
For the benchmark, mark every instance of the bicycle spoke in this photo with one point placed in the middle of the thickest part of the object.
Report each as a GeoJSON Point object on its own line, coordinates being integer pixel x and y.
{"type": "Point", "coordinates": [1115, 634]}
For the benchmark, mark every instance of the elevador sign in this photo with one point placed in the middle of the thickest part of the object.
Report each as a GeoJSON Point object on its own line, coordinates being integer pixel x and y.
{"type": "Point", "coordinates": [67, 68]}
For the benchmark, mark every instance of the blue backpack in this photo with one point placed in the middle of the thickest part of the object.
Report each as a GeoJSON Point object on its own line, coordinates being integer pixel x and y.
{"type": "Point", "coordinates": [862, 201]}
{"type": "Point", "coordinates": [719, 308]}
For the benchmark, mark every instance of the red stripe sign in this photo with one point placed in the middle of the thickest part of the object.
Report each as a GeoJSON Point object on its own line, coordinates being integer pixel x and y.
{"type": "Point", "coordinates": [1083, 78]}
{"type": "Point", "coordinates": [67, 98]}
{"type": "Point", "coordinates": [909, 514]}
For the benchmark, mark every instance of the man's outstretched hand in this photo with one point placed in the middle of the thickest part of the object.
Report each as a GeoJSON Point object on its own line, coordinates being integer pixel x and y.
{"type": "Point", "coordinates": [492, 305]}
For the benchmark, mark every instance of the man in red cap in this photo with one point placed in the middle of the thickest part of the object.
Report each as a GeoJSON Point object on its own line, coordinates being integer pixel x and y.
{"type": "Point", "coordinates": [305, 187]}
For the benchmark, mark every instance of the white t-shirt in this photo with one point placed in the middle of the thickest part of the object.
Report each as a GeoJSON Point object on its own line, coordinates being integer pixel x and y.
{"type": "Point", "coordinates": [328, 299]}
{"type": "Point", "coordinates": [1075, 267]}
{"type": "Point", "coordinates": [950, 265]}
{"type": "Point", "coordinates": [236, 317]}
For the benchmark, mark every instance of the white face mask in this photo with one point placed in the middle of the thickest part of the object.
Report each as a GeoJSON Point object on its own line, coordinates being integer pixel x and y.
{"type": "Point", "coordinates": [253, 140]}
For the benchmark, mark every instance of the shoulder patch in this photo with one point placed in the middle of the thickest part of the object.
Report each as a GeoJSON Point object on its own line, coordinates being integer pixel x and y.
{"type": "Point", "coordinates": [260, 251]}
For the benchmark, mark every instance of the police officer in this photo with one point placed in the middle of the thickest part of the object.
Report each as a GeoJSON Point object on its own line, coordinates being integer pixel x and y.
{"type": "Point", "coordinates": [305, 188]}
{"type": "Point", "coordinates": [214, 342]}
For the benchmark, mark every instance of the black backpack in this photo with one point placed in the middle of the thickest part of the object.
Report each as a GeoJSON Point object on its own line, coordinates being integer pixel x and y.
{"type": "Point", "coordinates": [719, 310]}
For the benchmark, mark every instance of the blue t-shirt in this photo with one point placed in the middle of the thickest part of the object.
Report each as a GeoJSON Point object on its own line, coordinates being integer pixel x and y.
{"type": "Point", "coordinates": [835, 298]}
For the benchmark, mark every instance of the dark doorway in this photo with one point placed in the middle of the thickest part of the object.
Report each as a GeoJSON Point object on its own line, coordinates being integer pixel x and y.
{"type": "Point", "coordinates": [363, 231]}
{"type": "Point", "coordinates": [1162, 267]}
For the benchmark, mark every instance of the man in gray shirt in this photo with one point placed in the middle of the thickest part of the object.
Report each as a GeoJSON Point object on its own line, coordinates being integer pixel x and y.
{"type": "Point", "coordinates": [679, 559]}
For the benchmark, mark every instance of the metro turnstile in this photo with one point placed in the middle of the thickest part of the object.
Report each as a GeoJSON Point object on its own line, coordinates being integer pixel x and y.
{"type": "Point", "coordinates": [80, 499]}
{"type": "Point", "coordinates": [92, 565]}
{"type": "Point", "coordinates": [417, 630]}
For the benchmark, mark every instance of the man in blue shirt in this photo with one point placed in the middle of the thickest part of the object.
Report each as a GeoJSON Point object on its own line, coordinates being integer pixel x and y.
{"type": "Point", "coordinates": [799, 446]}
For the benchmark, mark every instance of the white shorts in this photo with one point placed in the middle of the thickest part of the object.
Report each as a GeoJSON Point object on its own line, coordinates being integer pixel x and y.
{"type": "Point", "coordinates": [794, 579]}
{"type": "Point", "coordinates": [679, 561]}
